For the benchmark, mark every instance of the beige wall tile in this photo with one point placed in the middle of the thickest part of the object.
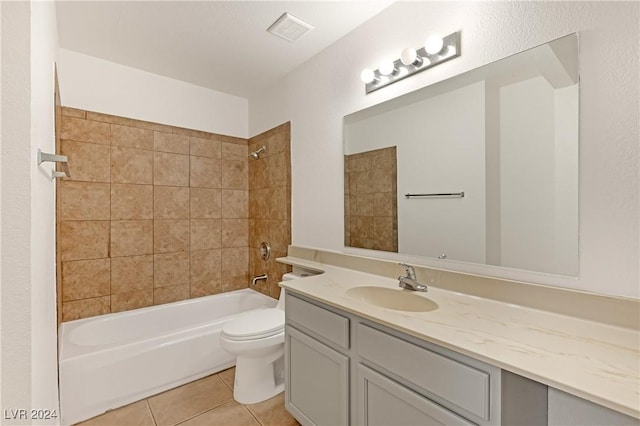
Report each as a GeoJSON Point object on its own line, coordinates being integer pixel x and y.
{"type": "Point", "coordinates": [83, 200]}
{"type": "Point", "coordinates": [205, 172]}
{"type": "Point", "coordinates": [235, 232]}
{"type": "Point", "coordinates": [382, 180]}
{"type": "Point", "coordinates": [131, 137]}
{"type": "Point", "coordinates": [258, 174]}
{"type": "Point", "coordinates": [259, 232]}
{"type": "Point", "coordinates": [235, 203]}
{"type": "Point", "coordinates": [278, 208]}
{"type": "Point", "coordinates": [259, 203]}
{"type": "Point", "coordinates": [171, 269]}
{"type": "Point", "coordinates": [233, 151]}
{"type": "Point", "coordinates": [277, 167]}
{"type": "Point", "coordinates": [205, 147]}
{"type": "Point", "coordinates": [80, 240]}
{"type": "Point", "coordinates": [384, 204]}
{"type": "Point", "coordinates": [205, 234]}
{"type": "Point", "coordinates": [77, 309]}
{"type": "Point", "coordinates": [131, 237]}
{"type": "Point", "coordinates": [170, 294]}
{"type": "Point", "coordinates": [205, 203]}
{"type": "Point", "coordinates": [130, 201]}
{"type": "Point", "coordinates": [235, 268]}
{"type": "Point", "coordinates": [169, 142]}
{"type": "Point", "coordinates": [205, 265]}
{"type": "Point", "coordinates": [364, 204]}
{"type": "Point", "coordinates": [235, 174]}
{"type": "Point", "coordinates": [83, 279]}
{"type": "Point", "coordinates": [170, 169]}
{"type": "Point", "coordinates": [131, 300]}
{"type": "Point", "coordinates": [171, 202]}
{"type": "Point", "coordinates": [170, 235]}
{"type": "Point", "coordinates": [279, 235]}
{"type": "Point", "coordinates": [81, 130]}
{"type": "Point", "coordinates": [129, 165]}
{"type": "Point", "coordinates": [131, 273]}
{"type": "Point", "coordinates": [87, 161]}
{"type": "Point", "coordinates": [205, 288]}
{"type": "Point", "coordinates": [74, 112]}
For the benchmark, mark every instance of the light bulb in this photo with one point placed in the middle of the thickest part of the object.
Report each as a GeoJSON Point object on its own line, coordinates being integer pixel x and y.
{"type": "Point", "coordinates": [387, 68]}
{"type": "Point", "coordinates": [367, 76]}
{"type": "Point", "coordinates": [409, 56]}
{"type": "Point", "coordinates": [433, 45]}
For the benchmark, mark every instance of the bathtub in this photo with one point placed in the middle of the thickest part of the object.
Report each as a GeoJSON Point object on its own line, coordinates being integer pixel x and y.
{"type": "Point", "coordinates": [112, 360]}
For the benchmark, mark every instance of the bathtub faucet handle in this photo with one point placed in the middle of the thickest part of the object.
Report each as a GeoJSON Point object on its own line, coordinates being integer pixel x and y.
{"type": "Point", "coordinates": [258, 278]}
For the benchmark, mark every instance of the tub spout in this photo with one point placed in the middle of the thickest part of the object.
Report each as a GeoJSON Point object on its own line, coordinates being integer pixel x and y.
{"type": "Point", "coordinates": [258, 278]}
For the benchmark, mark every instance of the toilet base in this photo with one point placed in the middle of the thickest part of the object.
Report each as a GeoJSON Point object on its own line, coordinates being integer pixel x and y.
{"type": "Point", "coordinates": [258, 379]}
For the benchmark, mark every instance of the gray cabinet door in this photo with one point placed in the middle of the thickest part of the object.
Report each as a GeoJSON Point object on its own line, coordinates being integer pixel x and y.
{"type": "Point", "coordinates": [383, 402]}
{"type": "Point", "coordinates": [317, 388]}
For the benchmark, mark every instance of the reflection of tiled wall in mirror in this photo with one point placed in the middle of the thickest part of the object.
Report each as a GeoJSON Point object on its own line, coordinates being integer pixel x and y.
{"type": "Point", "coordinates": [371, 202]}
{"type": "Point", "coordinates": [151, 214]}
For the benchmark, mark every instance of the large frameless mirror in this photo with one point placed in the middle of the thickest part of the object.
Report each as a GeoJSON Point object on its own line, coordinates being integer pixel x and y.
{"type": "Point", "coordinates": [481, 167]}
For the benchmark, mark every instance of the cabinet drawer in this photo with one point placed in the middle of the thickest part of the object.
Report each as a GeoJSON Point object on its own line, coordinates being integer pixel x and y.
{"type": "Point", "coordinates": [317, 321]}
{"type": "Point", "coordinates": [383, 402]}
{"type": "Point", "coordinates": [451, 381]}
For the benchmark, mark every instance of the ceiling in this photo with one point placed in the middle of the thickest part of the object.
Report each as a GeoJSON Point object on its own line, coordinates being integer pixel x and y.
{"type": "Point", "coordinates": [221, 45]}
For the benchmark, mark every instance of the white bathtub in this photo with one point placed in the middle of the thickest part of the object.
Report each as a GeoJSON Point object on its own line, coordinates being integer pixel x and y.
{"type": "Point", "coordinates": [112, 360]}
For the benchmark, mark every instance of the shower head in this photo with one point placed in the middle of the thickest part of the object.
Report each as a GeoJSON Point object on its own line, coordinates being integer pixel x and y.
{"type": "Point", "coordinates": [256, 154]}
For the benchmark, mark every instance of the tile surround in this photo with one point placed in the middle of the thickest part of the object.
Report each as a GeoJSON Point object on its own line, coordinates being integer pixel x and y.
{"type": "Point", "coordinates": [269, 180]}
{"type": "Point", "coordinates": [154, 214]}
{"type": "Point", "coordinates": [371, 200]}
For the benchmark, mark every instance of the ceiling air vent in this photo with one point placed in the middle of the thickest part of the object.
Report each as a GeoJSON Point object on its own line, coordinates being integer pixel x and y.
{"type": "Point", "coordinates": [289, 27]}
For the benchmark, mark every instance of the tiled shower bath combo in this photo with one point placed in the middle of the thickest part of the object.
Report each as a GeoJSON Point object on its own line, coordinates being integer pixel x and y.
{"type": "Point", "coordinates": [154, 214]}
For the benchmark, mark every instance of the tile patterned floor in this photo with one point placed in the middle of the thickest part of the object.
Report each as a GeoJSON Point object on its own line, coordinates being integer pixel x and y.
{"type": "Point", "coordinates": [205, 402]}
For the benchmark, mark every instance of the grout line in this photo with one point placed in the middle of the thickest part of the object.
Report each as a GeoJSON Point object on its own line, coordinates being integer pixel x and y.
{"type": "Point", "coordinates": [151, 411]}
{"type": "Point", "coordinates": [253, 415]}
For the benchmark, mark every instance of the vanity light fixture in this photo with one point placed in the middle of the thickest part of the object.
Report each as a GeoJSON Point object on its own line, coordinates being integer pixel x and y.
{"type": "Point", "coordinates": [435, 51]}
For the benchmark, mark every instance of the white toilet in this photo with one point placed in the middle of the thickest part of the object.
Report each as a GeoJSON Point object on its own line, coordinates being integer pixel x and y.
{"type": "Point", "coordinates": [257, 340]}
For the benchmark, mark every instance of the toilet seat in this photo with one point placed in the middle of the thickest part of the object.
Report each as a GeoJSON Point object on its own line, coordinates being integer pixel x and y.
{"type": "Point", "coordinates": [254, 325]}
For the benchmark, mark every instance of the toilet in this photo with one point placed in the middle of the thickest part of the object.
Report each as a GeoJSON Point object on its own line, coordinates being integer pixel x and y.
{"type": "Point", "coordinates": [256, 338]}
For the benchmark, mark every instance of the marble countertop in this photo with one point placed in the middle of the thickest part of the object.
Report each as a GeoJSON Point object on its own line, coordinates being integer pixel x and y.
{"type": "Point", "coordinates": [592, 360]}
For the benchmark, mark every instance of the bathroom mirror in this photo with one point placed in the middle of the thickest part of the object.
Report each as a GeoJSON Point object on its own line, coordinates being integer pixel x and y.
{"type": "Point", "coordinates": [481, 167]}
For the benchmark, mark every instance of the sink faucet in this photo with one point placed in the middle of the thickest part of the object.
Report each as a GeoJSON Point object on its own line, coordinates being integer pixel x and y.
{"type": "Point", "coordinates": [409, 281]}
{"type": "Point", "coordinates": [255, 279]}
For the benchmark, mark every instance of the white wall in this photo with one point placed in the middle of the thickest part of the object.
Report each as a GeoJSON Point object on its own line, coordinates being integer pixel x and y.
{"type": "Point", "coordinates": [318, 94]}
{"type": "Point", "coordinates": [98, 85]}
{"type": "Point", "coordinates": [527, 175]}
{"type": "Point", "coordinates": [16, 207]}
{"type": "Point", "coordinates": [29, 341]}
{"type": "Point", "coordinates": [44, 341]}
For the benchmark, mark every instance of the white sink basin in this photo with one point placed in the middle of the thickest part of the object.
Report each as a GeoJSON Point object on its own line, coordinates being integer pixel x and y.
{"type": "Point", "coordinates": [396, 299]}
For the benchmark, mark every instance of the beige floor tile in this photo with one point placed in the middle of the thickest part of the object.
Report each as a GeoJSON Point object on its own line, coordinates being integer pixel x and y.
{"type": "Point", "coordinates": [192, 399]}
{"type": "Point", "coordinates": [229, 414]}
{"type": "Point", "coordinates": [228, 376]}
{"type": "Point", "coordinates": [136, 414]}
{"type": "Point", "coordinates": [272, 412]}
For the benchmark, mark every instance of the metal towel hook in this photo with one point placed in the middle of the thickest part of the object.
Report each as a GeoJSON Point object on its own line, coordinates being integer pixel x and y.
{"type": "Point", "coordinates": [62, 159]}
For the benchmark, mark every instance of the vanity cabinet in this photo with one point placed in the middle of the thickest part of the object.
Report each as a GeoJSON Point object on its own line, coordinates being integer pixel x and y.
{"type": "Point", "coordinates": [342, 369]}
{"type": "Point", "coordinates": [316, 364]}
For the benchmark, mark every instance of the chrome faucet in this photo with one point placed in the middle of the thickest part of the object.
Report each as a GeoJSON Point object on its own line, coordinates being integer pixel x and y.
{"type": "Point", "coordinates": [409, 281]}
{"type": "Point", "coordinates": [255, 279]}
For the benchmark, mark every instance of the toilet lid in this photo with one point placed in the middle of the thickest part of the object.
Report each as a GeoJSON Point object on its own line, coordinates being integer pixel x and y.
{"type": "Point", "coordinates": [255, 324]}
